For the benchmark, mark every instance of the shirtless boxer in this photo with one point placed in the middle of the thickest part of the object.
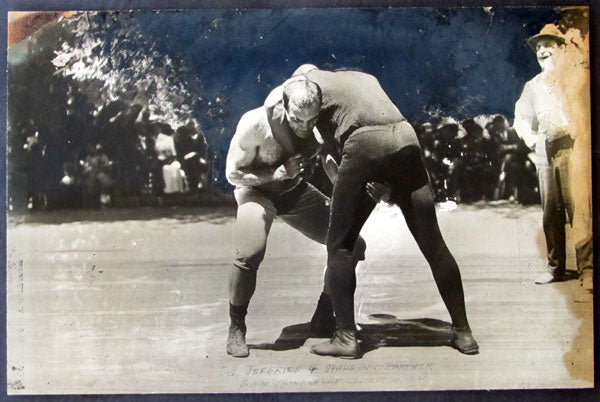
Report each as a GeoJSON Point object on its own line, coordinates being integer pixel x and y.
{"type": "Point", "coordinates": [267, 172]}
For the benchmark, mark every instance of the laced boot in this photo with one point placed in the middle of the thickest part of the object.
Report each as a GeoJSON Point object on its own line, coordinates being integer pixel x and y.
{"type": "Point", "coordinates": [343, 344]}
{"type": "Point", "coordinates": [236, 340]}
{"type": "Point", "coordinates": [463, 341]}
{"type": "Point", "coordinates": [322, 323]}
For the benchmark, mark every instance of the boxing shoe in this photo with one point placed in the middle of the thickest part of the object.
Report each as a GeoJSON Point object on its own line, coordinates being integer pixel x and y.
{"type": "Point", "coordinates": [343, 344]}
{"type": "Point", "coordinates": [462, 340]}
{"type": "Point", "coordinates": [550, 277]}
{"type": "Point", "coordinates": [322, 323]}
{"type": "Point", "coordinates": [236, 342]}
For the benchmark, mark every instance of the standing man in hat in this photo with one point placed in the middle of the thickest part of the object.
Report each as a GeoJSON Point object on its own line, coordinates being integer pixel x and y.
{"type": "Point", "coordinates": [541, 121]}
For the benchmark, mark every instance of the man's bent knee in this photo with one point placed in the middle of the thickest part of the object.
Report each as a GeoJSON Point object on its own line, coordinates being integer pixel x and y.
{"type": "Point", "coordinates": [248, 263]}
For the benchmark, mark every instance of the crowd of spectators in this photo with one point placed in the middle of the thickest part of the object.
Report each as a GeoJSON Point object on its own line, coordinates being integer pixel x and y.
{"type": "Point", "coordinates": [154, 161]}
{"type": "Point", "coordinates": [476, 159]}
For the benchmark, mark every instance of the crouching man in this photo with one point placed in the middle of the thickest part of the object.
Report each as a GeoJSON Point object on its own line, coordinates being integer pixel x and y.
{"type": "Point", "coordinates": [267, 168]}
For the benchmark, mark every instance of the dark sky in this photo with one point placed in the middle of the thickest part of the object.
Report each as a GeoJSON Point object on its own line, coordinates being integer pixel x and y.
{"type": "Point", "coordinates": [459, 62]}
{"type": "Point", "coordinates": [432, 62]}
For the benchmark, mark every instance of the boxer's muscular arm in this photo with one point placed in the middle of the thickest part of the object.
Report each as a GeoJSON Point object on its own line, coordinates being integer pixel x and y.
{"type": "Point", "coordinates": [243, 150]}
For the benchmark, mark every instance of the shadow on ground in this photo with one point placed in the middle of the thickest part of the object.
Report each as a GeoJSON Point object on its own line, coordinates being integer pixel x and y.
{"type": "Point", "coordinates": [389, 331]}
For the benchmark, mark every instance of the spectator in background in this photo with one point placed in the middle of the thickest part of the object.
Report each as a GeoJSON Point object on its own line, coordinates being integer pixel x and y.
{"type": "Point", "coordinates": [147, 131]}
{"type": "Point", "coordinates": [97, 178]}
{"type": "Point", "coordinates": [68, 187]}
{"type": "Point", "coordinates": [191, 148]}
{"type": "Point", "coordinates": [430, 146]}
{"type": "Point", "coordinates": [173, 176]}
{"type": "Point", "coordinates": [37, 181]}
{"type": "Point", "coordinates": [426, 135]}
{"type": "Point", "coordinates": [447, 149]}
{"type": "Point", "coordinates": [164, 146]}
{"type": "Point", "coordinates": [511, 164]}
{"type": "Point", "coordinates": [541, 121]}
{"type": "Point", "coordinates": [478, 158]}
{"type": "Point", "coordinates": [170, 169]}
{"type": "Point", "coordinates": [472, 167]}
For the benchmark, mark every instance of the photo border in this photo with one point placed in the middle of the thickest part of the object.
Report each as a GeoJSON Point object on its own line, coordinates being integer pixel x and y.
{"type": "Point", "coordinates": [540, 395]}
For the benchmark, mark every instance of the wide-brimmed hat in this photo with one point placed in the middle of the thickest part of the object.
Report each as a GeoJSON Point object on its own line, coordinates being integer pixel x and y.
{"type": "Point", "coordinates": [549, 31]}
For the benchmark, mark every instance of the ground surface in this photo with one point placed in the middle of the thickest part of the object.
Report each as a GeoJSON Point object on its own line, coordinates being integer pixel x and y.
{"type": "Point", "coordinates": [135, 301]}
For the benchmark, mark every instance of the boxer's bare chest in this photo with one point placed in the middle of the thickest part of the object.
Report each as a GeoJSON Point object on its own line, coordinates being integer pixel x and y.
{"type": "Point", "coordinates": [270, 152]}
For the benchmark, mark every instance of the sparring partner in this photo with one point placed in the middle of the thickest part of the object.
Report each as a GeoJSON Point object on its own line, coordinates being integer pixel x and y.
{"type": "Point", "coordinates": [377, 144]}
{"type": "Point", "coordinates": [267, 170]}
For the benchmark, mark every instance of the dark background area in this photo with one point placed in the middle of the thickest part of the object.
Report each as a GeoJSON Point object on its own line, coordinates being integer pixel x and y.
{"type": "Point", "coordinates": [433, 62]}
{"type": "Point", "coordinates": [521, 56]}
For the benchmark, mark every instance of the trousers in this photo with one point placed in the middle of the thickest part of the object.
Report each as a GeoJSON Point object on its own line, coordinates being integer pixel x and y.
{"type": "Point", "coordinates": [557, 206]}
{"type": "Point", "coordinates": [386, 154]}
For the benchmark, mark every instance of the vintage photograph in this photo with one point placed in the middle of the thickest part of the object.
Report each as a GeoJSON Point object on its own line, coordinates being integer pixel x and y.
{"type": "Point", "coordinates": [299, 200]}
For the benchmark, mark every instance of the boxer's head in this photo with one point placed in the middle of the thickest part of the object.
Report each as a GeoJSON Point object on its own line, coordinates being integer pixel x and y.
{"type": "Point", "coordinates": [302, 102]}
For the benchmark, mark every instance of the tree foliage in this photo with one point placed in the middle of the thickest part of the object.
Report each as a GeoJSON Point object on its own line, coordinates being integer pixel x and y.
{"type": "Point", "coordinates": [84, 81]}
{"type": "Point", "coordinates": [109, 59]}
